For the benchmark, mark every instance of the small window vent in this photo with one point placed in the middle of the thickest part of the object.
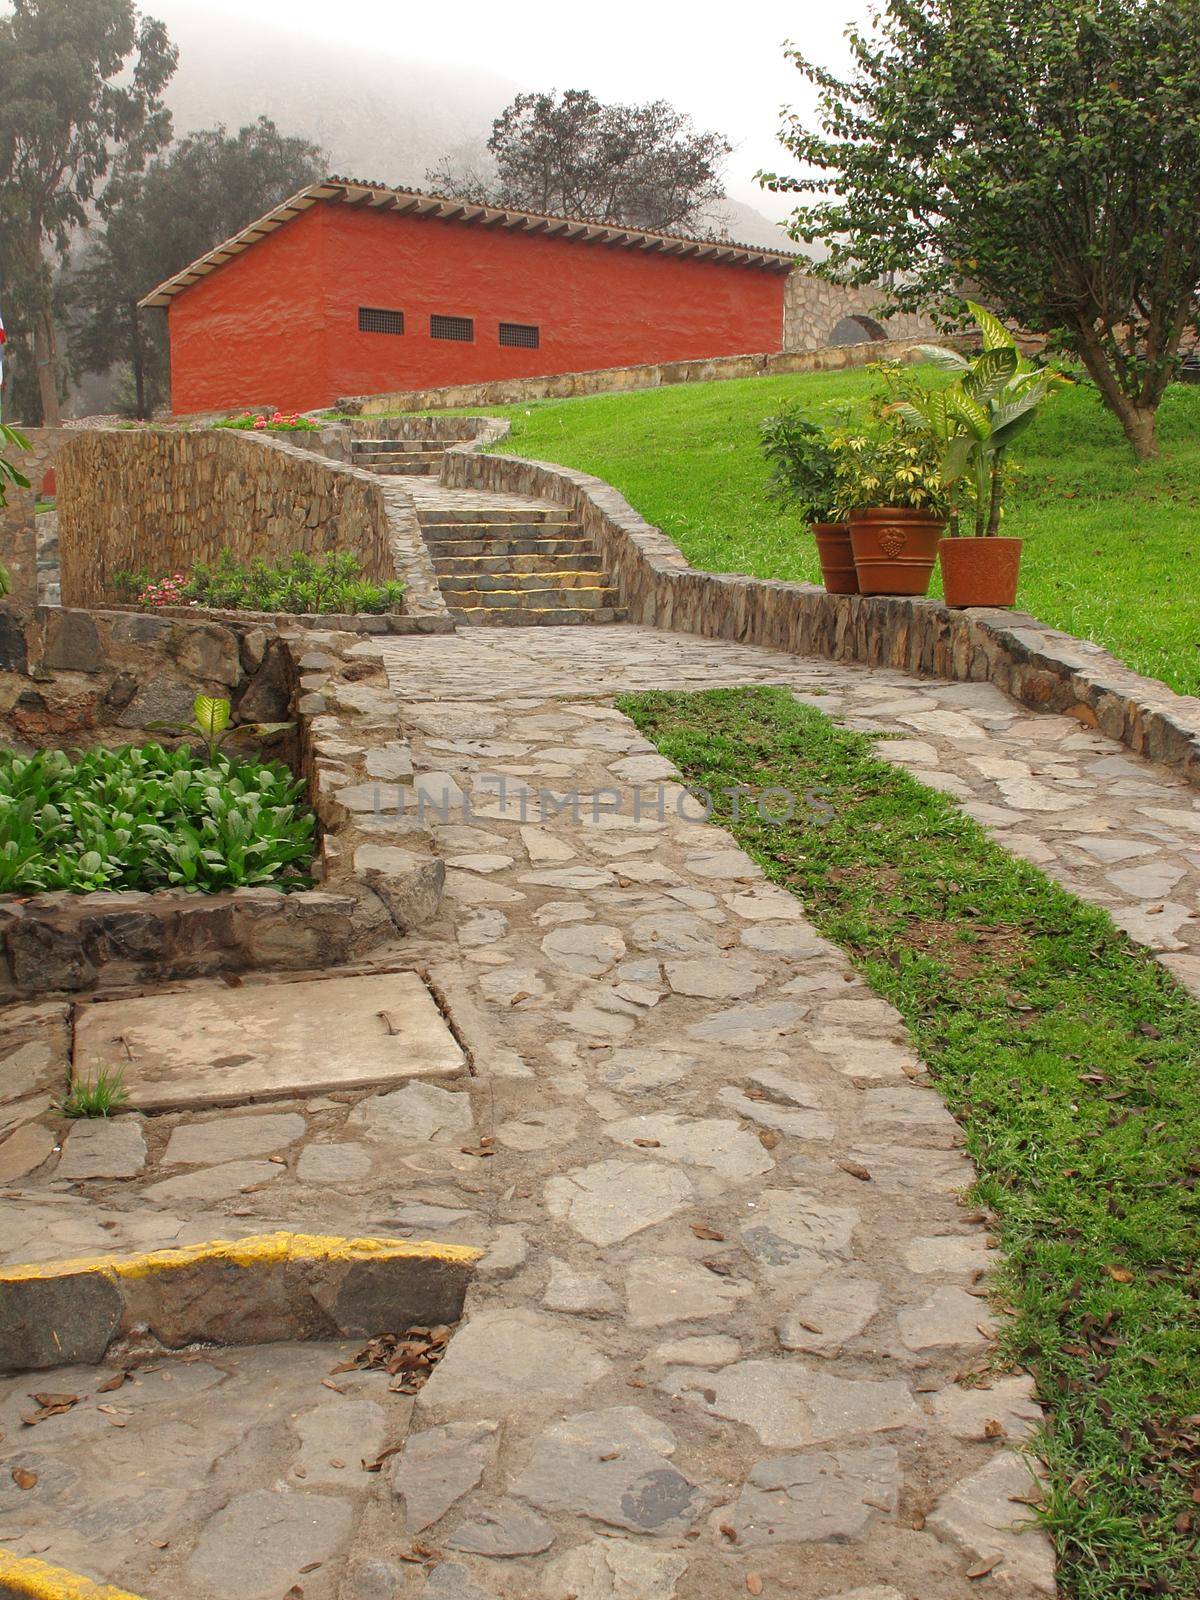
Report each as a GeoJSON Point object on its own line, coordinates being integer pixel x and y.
{"type": "Point", "coordinates": [460, 328]}
{"type": "Point", "coordinates": [372, 320]}
{"type": "Point", "coordinates": [521, 334]}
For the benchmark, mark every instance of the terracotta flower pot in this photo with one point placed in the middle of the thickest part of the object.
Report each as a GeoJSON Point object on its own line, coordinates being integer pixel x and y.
{"type": "Point", "coordinates": [894, 549]}
{"type": "Point", "coordinates": [980, 572]}
{"type": "Point", "coordinates": [837, 560]}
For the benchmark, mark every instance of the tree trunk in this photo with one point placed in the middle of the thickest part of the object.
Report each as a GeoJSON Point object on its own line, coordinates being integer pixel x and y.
{"type": "Point", "coordinates": [45, 359]}
{"type": "Point", "coordinates": [1138, 420]}
{"type": "Point", "coordinates": [139, 371]}
{"type": "Point", "coordinates": [1140, 431]}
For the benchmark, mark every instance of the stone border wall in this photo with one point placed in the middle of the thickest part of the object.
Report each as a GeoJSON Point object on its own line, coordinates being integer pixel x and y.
{"type": "Point", "coordinates": [97, 678]}
{"type": "Point", "coordinates": [1039, 666]}
{"type": "Point", "coordinates": [612, 380]}
{"type": "Point", "coordinates": [161, 500]}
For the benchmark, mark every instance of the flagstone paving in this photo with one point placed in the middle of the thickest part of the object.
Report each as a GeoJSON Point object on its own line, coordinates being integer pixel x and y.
{"type": "Point", "coordinates": [733, 1320]}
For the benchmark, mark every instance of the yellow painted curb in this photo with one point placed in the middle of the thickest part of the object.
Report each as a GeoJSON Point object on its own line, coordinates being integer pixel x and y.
{"type": "Point", "coordinates": [257, 1250]}
{"type": "Point", "coordinates": [34, 1580]}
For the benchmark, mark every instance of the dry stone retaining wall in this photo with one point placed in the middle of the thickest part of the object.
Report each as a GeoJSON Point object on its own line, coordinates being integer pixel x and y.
{"type": "Point", "coordinates": [162, 500]}
{"type": "Point", "coordinates": [610, 380]}
{"type": "Point", "coordinates": [1037, 665]}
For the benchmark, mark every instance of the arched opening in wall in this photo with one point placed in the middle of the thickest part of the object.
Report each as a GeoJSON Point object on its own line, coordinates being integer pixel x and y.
{"type": "Point", "coordinates": [857, 330]}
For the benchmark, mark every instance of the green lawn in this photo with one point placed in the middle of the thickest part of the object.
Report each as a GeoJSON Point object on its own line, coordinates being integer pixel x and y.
{"type": "Point", "coordinates": [1070, 1059]}
{"type": "Point", "coordinates": [1111, 547]}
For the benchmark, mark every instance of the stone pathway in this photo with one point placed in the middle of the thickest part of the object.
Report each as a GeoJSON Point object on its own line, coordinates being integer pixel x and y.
{"type": "Point", "coordinates": [732, 1331]}
{"type": "Point", "coordinates": [1114, 829]}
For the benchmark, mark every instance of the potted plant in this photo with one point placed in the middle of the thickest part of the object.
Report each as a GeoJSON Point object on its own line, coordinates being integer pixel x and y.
{"type": "Point", "coordinates": [804, 474]}
{"type": "Point", "coordinates": [890, 491]}
{"type": "Point", "coordinates": [973, 421]}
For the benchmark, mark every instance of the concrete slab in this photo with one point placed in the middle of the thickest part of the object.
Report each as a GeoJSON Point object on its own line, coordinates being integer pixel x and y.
{"type": "Point", "coordinates": [220, 1047]}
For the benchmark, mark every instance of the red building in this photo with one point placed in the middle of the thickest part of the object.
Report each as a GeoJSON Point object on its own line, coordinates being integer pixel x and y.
{"type": "Point", "coordinates": [352, 288]}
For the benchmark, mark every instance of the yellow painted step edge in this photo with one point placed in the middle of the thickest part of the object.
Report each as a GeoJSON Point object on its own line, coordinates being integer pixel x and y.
{"type": "Point", "coordinates": [26, 1576]}
{"type": "Point", "coordinates": [264, 1249]}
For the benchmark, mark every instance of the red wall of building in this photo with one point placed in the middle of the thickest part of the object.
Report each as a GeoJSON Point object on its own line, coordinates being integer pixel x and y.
{"type": "Point", "coordinates": [279, 323]}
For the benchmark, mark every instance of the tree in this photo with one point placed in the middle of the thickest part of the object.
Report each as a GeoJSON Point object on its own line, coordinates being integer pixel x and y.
{"type": "Point", "coordinates": [71, 105]}
{"type": "Point", "coordinates": [637, 166]}
{"type": "Point", "coordinates": [1043, 155]}
{"type": "Point", "coordinates": [203, 190]}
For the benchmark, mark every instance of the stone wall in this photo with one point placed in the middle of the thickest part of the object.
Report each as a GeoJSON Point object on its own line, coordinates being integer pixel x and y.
{"type": "Point", "coordinates": [162, 500]}
{"type": "Point", "coordinates": [813, 308]}
{"type": "Point", "coordinates": [1039, 666]}
{"type": "Point", "coordinates": [611, 380]}
{"type": "Point", "coordinates": [74, 677]}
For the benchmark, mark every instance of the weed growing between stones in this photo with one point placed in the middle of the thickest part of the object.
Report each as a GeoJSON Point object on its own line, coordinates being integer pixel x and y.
{"type": "Point", "coordinates": [96, 1097]}
{"type": "Point", "coordinates": [1068, 1056]}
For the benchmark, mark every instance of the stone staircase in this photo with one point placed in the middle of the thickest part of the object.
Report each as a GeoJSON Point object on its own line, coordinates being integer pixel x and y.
{"type": "Point", "coordinates": [402, 457]}
{"type": "Point", "coordinates": [501, 561]}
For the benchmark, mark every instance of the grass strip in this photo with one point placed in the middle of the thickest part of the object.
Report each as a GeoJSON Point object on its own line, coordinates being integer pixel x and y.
{"type": "Point", "coordinates": [1069, 1057]}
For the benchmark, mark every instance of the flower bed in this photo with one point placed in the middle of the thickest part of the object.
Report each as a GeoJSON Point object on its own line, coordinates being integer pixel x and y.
{"type": "Point", "coordinates": [297, 584]}
{"type": "Point", "coordinates": [270, 422]}
{"type": "Point", "coordinates": [142, 817]}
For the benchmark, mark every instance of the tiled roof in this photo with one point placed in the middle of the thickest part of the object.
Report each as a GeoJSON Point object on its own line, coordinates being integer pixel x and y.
{"type": "Point", "coordinates": [414, 202]}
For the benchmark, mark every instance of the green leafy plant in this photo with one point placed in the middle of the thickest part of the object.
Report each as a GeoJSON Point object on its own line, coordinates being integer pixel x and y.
{"type": "Point", "coordinates": [142, 817]}
{"type": "Point", "coordinates": [298, 584]}
{"type": "Point", "coordinates": [210, 722]}
{"type": "Point", "coordinates": [880, 463]}
{"type": "Point", "coordinates": [803, 463]}
{"type": "Point", "coordinates": [995, 396]}
{"type": "Point", "coordinates": [10, 474]}
{"type": "Point", "coordinates": [99, 1097]}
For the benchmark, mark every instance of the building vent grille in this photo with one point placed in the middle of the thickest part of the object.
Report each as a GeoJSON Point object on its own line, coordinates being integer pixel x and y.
{"type": "Point", "coordinates": [372, 320]}
{"type": "Point", "coordinates": [460, 328]}
{"type": "Point", "coordinates": [521, 334]}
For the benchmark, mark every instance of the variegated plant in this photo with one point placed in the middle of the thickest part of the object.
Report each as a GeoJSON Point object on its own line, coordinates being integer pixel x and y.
{"type": "Point", "coordinates": [210, 722]}
{"type": "Point", "coordinates": [994, 398]}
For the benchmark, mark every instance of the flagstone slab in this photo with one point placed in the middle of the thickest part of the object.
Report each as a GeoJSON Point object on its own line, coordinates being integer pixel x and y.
{"type": "Point", "coordinates": [213, 1047]}
{"type": "Point", "coordinates": [790, 1405]}
{"type": "Point", "coordinates": [810, 1498]}
{"type": "Point", "coordinates": [612, 1466]}
{"type": "Point", "coordinates": [610, 1200]}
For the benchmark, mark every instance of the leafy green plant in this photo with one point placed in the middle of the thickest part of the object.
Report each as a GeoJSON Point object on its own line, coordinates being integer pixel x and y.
{"type": "Point", "coordinates": [10, 474]}
{"type": "Point", "coordinates": [995, 396]}
{"type": "Point", "coordinates": [98, 1097]}
{"type": "Point", "coordinates": [210, 722]}
{"type": "Point", "coordinates": [880, 463]}
{"type": "Point", "coordinates": [803, 464]}
{"type": "Point", "coordinates": [298, 584]}
{"type": "Point", "coordinates": [142, 817]}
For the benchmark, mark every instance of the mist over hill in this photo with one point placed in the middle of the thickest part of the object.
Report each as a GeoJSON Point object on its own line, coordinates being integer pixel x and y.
{"type": "Point", "coordinates": [377, 115]}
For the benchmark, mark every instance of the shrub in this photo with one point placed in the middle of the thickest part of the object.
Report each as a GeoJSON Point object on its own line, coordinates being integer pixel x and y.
{"type": "Point", "coordinates": [803, 470]}
{"type": "Point", "coordinates": [269, 422]}
{"type": "Point", "coordinates": [142, 817]}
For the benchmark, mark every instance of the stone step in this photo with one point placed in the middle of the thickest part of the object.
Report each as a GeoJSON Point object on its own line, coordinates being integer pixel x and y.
{"type": "Point", "coordinates": [377, 447]}
{"type": "Point", "coordinates": [408, 465]}
{"type": "Point", "coordinates": [468, 596]}
{"type": "Point", "coordinates": [531, 617]}
{"type": "Point", "coordinates": [522, 545]}
{"type": "Point", "coordinates": [474, 517]}
{"type": "Point", "coordinates": [572, 559]}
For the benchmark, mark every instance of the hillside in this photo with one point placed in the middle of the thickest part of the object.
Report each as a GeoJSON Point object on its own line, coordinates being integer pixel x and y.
{"type": "Point", "coordinates": [377, 115]}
